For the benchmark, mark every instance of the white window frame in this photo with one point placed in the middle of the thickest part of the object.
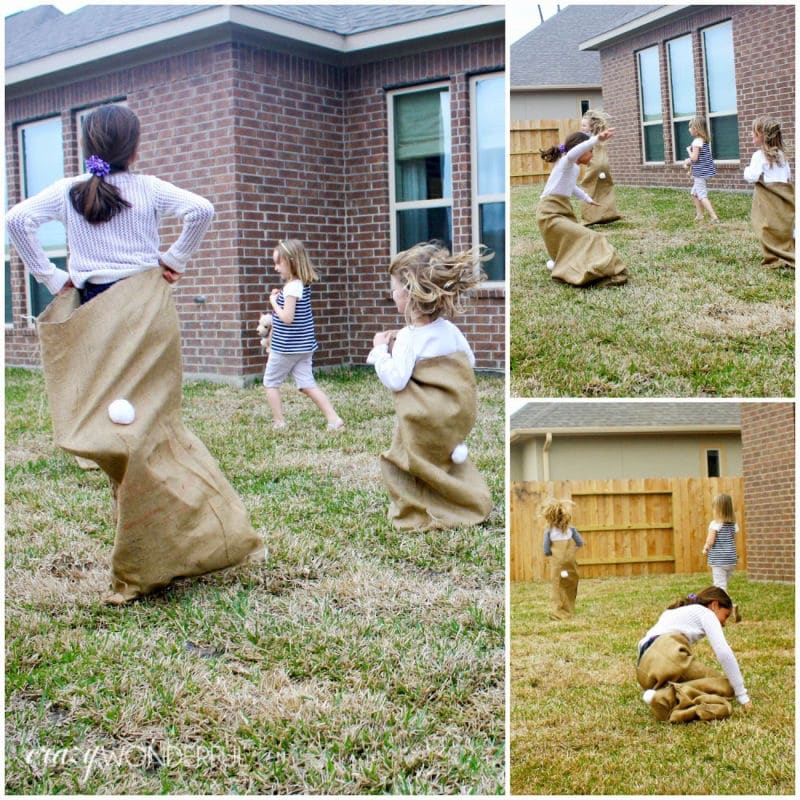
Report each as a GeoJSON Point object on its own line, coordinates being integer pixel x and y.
{"type": "Point", "coordinates": [640, 94]}
{"type": "Point", "coordinates": [499, 197]}
{"type": "Point", "coordinates": [394, 206]}
{"type": "Point", "coordinates": [728, 113]}
{"type": "Point", "coordinates": [60, 253]}
{"type": "Point", "coordinates": [673, 119]}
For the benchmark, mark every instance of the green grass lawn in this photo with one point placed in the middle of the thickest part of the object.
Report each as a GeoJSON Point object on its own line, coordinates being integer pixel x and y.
{"type": "Point", "coordinates": [578, 723]}
{"type": "Point", "coordinates": [359, 660]}
{"type": "Point", "coordinates": [698, 317]}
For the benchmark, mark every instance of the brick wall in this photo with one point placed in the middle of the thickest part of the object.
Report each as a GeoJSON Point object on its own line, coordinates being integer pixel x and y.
{"type": "Point", "coordinates": [284, 146]}
{"type": "Point", "coordinates": [763, 38]}
{"type": "Point", "coordinates": [768, 442]}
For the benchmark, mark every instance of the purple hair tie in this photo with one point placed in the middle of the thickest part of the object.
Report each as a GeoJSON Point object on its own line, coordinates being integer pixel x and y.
{"type": "Point", "coordinates": [562, 148]}
{"type": "Point", "coordinates": [692, 597]}
{"type": "Point", "coordinates": [98, 167]}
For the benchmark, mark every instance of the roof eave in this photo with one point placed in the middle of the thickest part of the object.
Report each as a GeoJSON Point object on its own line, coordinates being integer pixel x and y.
{"type": "Point", "coordinates": [640, 23]}
{"type": "Point", "coordinates": [202, 23]}
{"type": "Point", "coordinates": [560, 87]}
{"type": "Point", "coordinates": [520, 433]}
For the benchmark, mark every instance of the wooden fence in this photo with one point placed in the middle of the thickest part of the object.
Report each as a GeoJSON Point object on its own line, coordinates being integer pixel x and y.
{"type": "Point", "coordinates": [643, 526]}
{"type": "Point", "coordinates": [527, 138]}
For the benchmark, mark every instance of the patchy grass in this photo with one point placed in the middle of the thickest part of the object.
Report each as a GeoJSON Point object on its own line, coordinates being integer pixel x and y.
{"type": "Point", "coordinates": [359, 660]}
{"type": "Point", "coordinates": [579, 726]}
{"type": "Point", "coordinates": [698, 317]}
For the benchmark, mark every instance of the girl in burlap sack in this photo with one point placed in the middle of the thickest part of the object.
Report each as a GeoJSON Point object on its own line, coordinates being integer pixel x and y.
{"type": "Point", "coordinates": [596, 180]}
{"type": "Point", "coordinates": [110, 347]}
{"type": "Point", "coordinates": [679, 688]}
{"type": "Point", "coordinates": [429, 367]}
{"type": "Point", "coordinates": [561, 541]}
{"type": "Point", "coordinates": [579, 256]}
{"type": "Point", "coordinates": [772, 215]}
{"type": "Point", "coordinates": [293, 340]}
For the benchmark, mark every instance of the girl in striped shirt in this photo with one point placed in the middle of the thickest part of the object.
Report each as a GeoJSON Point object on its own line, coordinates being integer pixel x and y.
{"type": "Point", "coordinates": [293, 339]}
{"type": "Point", "coordinates": [720, 546]}
{"type": "Point", "coordinates": [702, 164]}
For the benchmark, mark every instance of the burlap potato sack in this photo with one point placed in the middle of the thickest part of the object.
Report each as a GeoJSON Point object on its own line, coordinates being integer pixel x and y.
{"type": "Point", "coordinates": [435, 412]}
{"type": "Point", "coordinates": [176, 514]}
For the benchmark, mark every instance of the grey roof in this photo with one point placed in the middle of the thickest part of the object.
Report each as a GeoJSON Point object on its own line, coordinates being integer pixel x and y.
{"type": "Point", "coordinates": [43, 31]}
{"type": "Point", "coordinates": [549, 54]}
{"type": "Point", "coordinates": [593, 414]}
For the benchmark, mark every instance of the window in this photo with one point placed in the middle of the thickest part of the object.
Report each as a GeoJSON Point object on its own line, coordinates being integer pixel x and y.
{"type": "Point", "coordinates": [682, 94]}
{"type": "Point", "coordinates": [489, 169]}
{"type": "Point", "coordinates": [584, 107]}
{"type": "Point", "coordinates": [42, 160]}
{"type": "Point", "coordinates": [720, 75]}
{"type": "Point", "coordinates": [420, 167]}
{"type": "Point", "coordinates": [650, 99]}
{"type": "Point", "coordinates": [9, 299]}
{"type": "Point", "coordinates": [713, 464]}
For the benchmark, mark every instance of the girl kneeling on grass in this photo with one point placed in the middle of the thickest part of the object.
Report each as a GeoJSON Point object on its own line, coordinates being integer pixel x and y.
{"type": "Point", "coordinates": [579, 256]}
{"type": "Point", "coordinates": [677, 686]}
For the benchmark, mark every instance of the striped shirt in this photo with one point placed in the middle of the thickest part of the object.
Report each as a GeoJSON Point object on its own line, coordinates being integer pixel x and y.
{"type": "Point", "coordinates": [298, 337]}
{"type": "Point", "coordinates": [109, 251]}
{"type": "Point", "coordinates": [704, 166]}
{"type": "Point", "coordinates": [723, 551]}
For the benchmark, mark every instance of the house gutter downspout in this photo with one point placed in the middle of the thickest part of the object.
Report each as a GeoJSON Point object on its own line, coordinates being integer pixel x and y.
{"type": "Point", "coordinates": [548, 440]}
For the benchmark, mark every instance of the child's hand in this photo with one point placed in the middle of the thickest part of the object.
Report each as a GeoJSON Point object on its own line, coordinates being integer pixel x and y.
{"type": "Point", "coordinates": [383, 337]}
{"type": "Point", "coordinates": [606, 134]}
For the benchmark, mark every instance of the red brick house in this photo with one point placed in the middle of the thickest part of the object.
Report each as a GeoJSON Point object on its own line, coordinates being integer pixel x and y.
{"type": "Point", "coordinates": [768, 442]}
{"type": "Point", "coordinates": [730, 62]}
{"type": "Point", "coordinates": [358, 129]}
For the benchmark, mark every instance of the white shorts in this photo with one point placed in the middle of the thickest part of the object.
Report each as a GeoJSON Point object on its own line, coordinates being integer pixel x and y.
{"type": "Point", "coordinates": [721, 575]}
{"type": "Point", "coordinates": [700, 188]}
{"type": "Point", "coordinates": [281, 365]}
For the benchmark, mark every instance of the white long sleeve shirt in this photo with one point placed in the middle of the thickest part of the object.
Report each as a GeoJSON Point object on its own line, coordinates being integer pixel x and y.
{"type": "Point", "coordinates": [126, 244]}
{"type": "Point", "coordinates": [413, 343]}
{"type": "Point", "coordinates": [563, 179]}
{"type": "Point", "coordinates": [694, 622]}
{"type": "Point", "coordinates": [758, 166]}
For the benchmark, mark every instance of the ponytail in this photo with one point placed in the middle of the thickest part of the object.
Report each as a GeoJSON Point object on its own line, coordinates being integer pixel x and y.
{"type": "Point", "coordinates": [705, 598]}
{"type": "Point", "coordinates": [554, 153]}
{"type": "Point", "coordinates": [110, 138]}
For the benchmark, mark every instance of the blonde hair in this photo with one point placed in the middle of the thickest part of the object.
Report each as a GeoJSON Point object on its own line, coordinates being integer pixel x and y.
{"type": "Point", "coordinates": [437, 283]}
{"type": "Point", "coordinates": [293, 252]}
{"type": "Point", "coordinates": [557, 513]}
{"type": "Point", "coordinates": [699, 124]}
{"type": "Point", "coordinates": [771, 138]}
{"type": "Point", "coordinates": [598, 120]}
{"type": "Point", "coordinates": [722, 508]}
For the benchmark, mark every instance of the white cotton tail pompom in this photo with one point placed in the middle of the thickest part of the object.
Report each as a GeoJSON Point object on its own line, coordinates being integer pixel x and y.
{"type": "Point", "coordinates": [648, 696]}
{"type": "Point", "coordinates": [602, 176]}
{"type": "Point", "coordinates": [459, 454]}
{"type": "Point", "coordinates": [121, 412]}
{"type": "Point", "coordinates": [550, 264]}
{"type": "Point", "coordinates": [564, 573]}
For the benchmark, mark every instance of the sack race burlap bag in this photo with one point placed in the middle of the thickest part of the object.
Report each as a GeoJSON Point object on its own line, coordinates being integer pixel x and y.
{"type": "Point", "coordinates": [435, 412]}
{"type": "Point", "coordinates": [582, 256]}
{"type": "Point", "coordinates": [176, 514]}
{"type": "Point", "coordinates": [599, 185]}
{"type": "Point", "coordinates": [563, 588]}
{"type": "Point", "coordinates": [686, 689]}
{"type": "Point", "coordinates": [772, 218]}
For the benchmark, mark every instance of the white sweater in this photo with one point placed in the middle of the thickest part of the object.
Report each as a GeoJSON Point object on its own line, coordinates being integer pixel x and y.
{"type": "Point", "coordinates": [413, 343]}
{"type": "Point", "coordinates": [108, 251]}
{"type": "Point", "coordinates": [694, 622]}
{"type": "Point", "coordinates": [563, 179]}
{"type": "Point", "coordinates": [758, 166]}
